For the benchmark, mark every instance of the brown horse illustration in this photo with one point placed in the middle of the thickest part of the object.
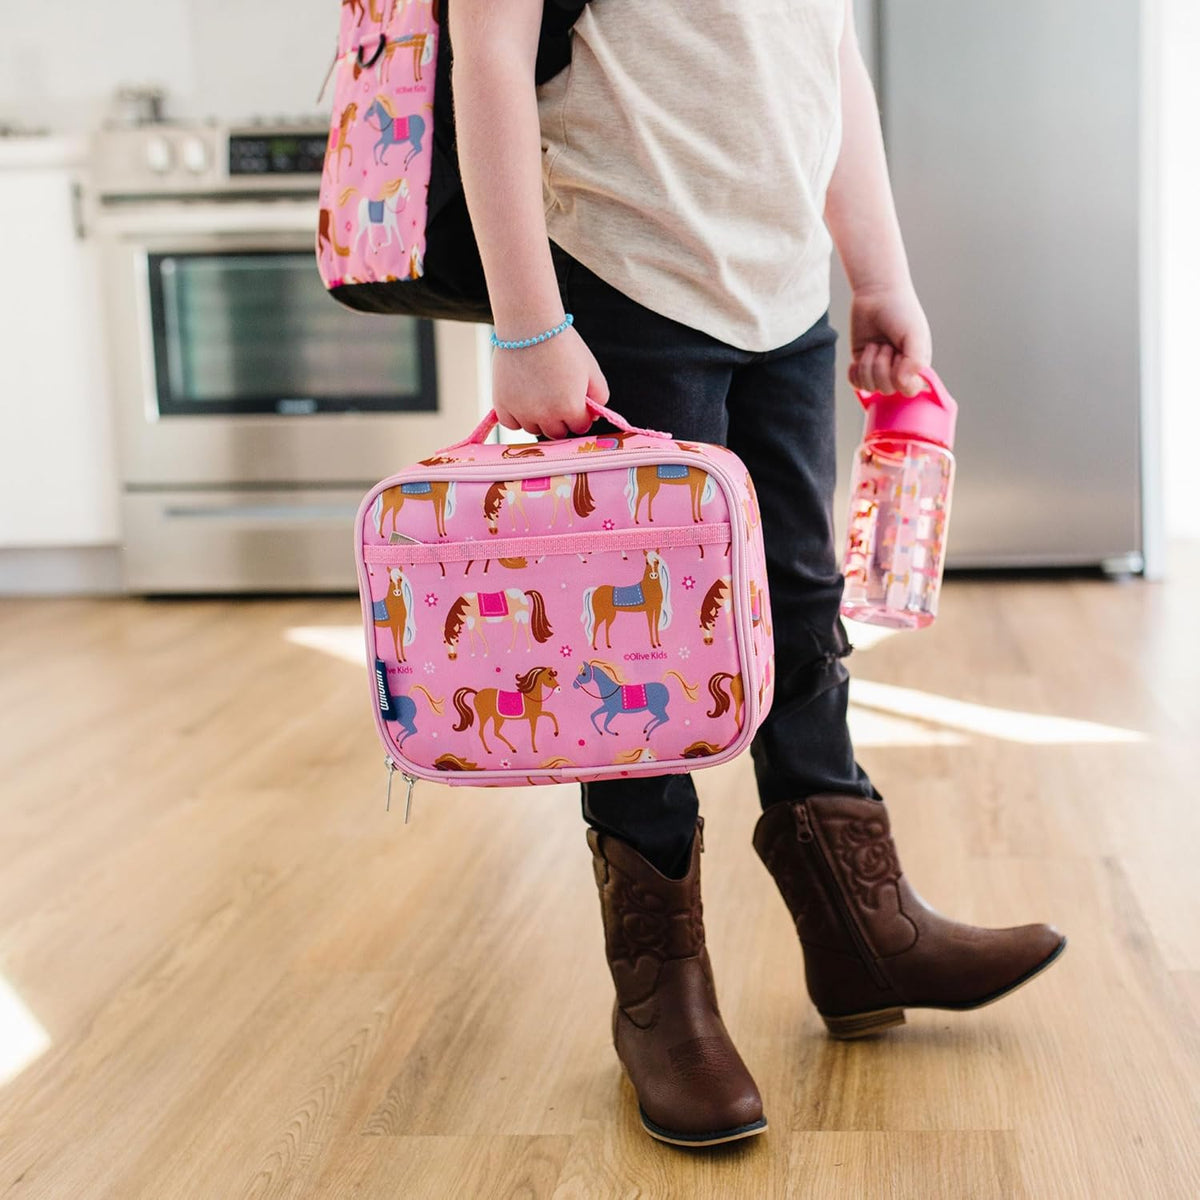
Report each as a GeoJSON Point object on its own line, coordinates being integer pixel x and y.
{"type": "Point", "coordinates": [349, 114]}
{"type": "Point", "coordinates": [382, 60]}
{"type": "Point", "coordinates": [567, 491]}
{"type": "Point", "coordinates": [519, 450]}
{"type": "Point", "coordinates": [355, 4]}
{"type": "Point", "coordinates": [417, 41]}
{"type": "Point", "coordinates": [513, 564]}
{"type": "Point", "coordinates": [722, 700]}
{"type": "Point", "coordinates": [453, 762]}
{"type": "Point", "coordinates": [389, 502]}
{"type": "Point", "coordinates": [327, 233]}
{"type": "Point", "coordinates": [758, 608]}
{"type": "Point", "coordinates": [718, 598]}
{"type": "Point", "coordinates": [764, 682]}
{"type": "Point", "coordinates": [525, 704]}
{"type": "Point", "coordinates": [646, 481]}
{"type": "Point", "coordinates": [474, 610]}
{"type": "Point", "coordinates": [651, 596]}
{"type": "Point", "coordinates": [395, 611]}
{"type": "Point", "coordinates": [702, 750]}
{"type": "Point", "coordinates": [750, 504]}
{"type": "Point", "coordinates": [637, 754]}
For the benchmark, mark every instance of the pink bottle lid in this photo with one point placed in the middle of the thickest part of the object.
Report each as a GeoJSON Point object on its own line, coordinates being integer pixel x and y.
{"type": "Point", "coordinates": [929, 415]}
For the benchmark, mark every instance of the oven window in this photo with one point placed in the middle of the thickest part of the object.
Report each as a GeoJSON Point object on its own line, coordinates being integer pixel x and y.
{"type": "Point", "coordinates": [256, 332]}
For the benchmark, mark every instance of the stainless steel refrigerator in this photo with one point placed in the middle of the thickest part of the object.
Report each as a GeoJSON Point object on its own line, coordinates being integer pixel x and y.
{"type": "Point", "coordinates": [1018, 143]}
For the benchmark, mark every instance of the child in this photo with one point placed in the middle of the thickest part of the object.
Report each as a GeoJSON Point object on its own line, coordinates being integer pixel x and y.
{"type": "Point", "coordinates": [678, 189]}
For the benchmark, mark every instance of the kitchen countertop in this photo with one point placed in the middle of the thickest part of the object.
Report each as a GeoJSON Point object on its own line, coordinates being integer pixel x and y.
{"type": "Point", "coordinates": [48, 150]}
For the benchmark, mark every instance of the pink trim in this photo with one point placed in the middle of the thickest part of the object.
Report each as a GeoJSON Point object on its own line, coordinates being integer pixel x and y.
{"type": "Point", "coordinates": [405, 553]}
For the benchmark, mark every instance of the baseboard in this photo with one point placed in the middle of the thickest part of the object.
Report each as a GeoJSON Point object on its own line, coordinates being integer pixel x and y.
{"type": "Point", "coordinates": [61, 571]}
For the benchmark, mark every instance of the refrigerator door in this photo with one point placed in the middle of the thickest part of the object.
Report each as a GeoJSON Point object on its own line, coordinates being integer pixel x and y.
{"type": "Point", "coordinates": [1012, 133]}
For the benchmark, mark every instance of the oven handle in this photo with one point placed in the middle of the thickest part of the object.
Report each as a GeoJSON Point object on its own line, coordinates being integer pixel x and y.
{"type": "Point", "coordinates": [262, 513]}
{"type": "Point", "coordinates": [209, 220]}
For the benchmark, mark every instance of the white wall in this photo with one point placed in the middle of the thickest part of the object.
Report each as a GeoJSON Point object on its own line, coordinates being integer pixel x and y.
{"type": "Point", "coordinates": [1179, 97]}
{"type": "Point", "coordinates": [59, 63]}
{"type": "Point", "coordinates": [234, 60]}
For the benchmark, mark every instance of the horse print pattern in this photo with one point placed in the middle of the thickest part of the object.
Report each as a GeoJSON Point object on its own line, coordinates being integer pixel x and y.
{"type": "Point", "coordinates": [372, 211]}
{"type": "Point", "coordinates": [584, 619]}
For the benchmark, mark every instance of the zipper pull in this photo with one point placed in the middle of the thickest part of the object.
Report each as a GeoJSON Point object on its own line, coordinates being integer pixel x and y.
{"type": "Point", "coordinates": [390, 763]}
{"type": "Point", "coordinates": [804, 832]}
{"type": "Point", "coordinates": [411, 780]}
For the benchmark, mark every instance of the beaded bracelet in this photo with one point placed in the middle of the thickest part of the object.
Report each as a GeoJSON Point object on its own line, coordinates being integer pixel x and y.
{"type": "Point", "coordinates": [523, 343]}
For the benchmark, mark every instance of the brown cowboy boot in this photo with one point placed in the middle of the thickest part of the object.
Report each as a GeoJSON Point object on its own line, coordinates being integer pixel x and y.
{"type": "Point", "coordinates": [872, 947]}
{"type": "Point", "coordinates": [693, 1088]}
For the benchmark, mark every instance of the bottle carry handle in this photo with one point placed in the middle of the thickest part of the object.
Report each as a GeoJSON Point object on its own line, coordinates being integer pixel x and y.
{"type": "Point", "coordinates": [930, 415]}
{"type": "Point", "coordinates": [481, 431]}
{"type": "Point", "coordinates": [936, 389]}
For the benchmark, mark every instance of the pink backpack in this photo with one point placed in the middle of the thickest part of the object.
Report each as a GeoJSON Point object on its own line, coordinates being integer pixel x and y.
{"type": "Point", "coordinates": [589, 608]}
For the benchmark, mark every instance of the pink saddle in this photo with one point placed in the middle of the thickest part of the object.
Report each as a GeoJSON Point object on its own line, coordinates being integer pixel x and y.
{"type": "Point", "coordinates": [510, 704]}
{"type": "Point", "coordinates": [633, 695]}
{"type": "Point", "coordinates": [493, 604]}
{"type": "Point", "coordinates": [540, 483]}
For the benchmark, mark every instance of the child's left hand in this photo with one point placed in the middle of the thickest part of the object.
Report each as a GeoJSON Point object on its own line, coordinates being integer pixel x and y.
{"type": "Point", "coordinates": [889, 341]}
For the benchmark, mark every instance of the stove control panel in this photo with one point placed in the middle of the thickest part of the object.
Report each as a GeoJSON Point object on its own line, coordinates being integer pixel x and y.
{"type": "Point", "coordinates": [168, 159]}
{"type": "Point", "coordinates": [276, 153]}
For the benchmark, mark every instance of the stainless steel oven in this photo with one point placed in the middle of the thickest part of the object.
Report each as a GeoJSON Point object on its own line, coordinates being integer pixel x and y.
{"type": "Point", "coordinates": [253, 410]}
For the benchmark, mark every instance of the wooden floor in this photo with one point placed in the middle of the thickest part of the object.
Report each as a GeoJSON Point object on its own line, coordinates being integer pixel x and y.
{"type": "Point", "coordinates": [225, 972]}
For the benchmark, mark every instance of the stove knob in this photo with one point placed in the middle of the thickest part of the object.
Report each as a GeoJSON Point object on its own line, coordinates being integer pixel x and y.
{"type": "Point", "coordinates": [195, 156]}
{"type": "Point", "coordinates": [159, 155]}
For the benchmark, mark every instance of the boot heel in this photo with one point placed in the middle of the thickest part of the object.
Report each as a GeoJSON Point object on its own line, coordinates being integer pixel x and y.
{"type": "Point", "coordinates": [863, 1024]}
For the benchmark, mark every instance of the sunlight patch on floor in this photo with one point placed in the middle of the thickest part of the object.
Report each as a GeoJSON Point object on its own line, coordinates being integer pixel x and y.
{"type": "Point", "coordinates": [340, 641]}
{"type": "Point", "coordinates": [870, 727]}
{"type": "Point", "coordinates": [22, 1038]}
{"type": "Point", "coordinates": [1004, 724]}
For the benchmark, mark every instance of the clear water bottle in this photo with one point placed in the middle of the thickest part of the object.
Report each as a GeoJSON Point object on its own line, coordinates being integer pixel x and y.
{"type": "Point", "coordinates": [900, 507]}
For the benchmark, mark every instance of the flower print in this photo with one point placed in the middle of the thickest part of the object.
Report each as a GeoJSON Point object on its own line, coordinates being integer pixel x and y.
{"type": "Point", "coordinates": [429, 667]}
{"type": "Point", "coordinates": [565, 651]}
{"type": "Point", "coordinates": [505, 763]}
{"type": "Point", "coordinates": [431, 599]}
{"type": "Point", "coordinates": [608, 523]}
{"type": "Point", "coordinates": [349, 227]}
{"type": "Point", "coordinates": [688, 582]}
{"type": "Point", "coordinates": [684, 651]}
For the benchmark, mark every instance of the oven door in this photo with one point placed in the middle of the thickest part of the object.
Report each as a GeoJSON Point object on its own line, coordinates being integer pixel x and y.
{"type": "Point", "coordinates": [247, 332]}
{"type": "Point", "coordinates": [233, 368]}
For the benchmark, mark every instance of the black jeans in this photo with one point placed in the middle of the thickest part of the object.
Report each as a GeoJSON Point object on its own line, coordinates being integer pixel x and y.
{"type": "Point", "coordinates": [775, 410]}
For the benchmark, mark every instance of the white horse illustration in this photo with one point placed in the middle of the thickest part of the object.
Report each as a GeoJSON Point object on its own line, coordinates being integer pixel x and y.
{"type": "Point", "coordinates": [383, 214]}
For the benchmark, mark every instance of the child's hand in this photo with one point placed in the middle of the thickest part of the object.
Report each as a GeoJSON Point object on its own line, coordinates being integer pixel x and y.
{"type": "Point", "coordinates": [542, 388]}
{"type": "Point", "coordinates": [889, 341]}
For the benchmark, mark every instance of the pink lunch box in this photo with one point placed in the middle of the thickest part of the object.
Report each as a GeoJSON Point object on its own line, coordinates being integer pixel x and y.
{"type": "Point", "coordinates": [589, 608]}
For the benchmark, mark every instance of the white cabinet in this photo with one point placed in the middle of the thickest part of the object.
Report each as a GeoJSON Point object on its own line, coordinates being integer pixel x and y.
{"type": "Point", "coordinates": [58, 479]}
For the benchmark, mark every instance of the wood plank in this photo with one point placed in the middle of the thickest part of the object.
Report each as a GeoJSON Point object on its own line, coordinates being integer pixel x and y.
{"type": "Point", "coordinates": [257, 983]}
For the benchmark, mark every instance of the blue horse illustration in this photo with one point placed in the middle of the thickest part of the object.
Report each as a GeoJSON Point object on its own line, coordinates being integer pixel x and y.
{"type": "Point", "coordinates": [394, 130]}
{"type": "Point", "coordinates": [401, 708]}
{"type": "Point", "coordinates": [617, 697]}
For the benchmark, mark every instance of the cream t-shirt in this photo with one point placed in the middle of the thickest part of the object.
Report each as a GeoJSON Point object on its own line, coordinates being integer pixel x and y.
{"type": "Point", "coordinates": [687, 150]}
